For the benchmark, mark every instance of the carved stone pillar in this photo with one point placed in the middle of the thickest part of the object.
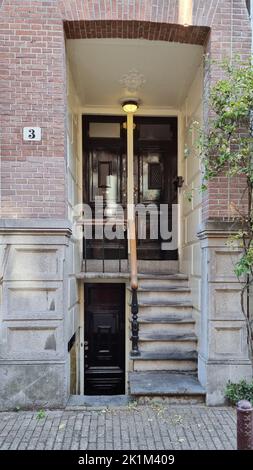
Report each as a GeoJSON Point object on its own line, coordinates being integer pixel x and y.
{"type": "Point", "coordinates": [223, 351]}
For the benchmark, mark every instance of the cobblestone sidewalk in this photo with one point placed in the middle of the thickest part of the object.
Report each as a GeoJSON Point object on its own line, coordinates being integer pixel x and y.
{"type": "Point", "coordinates": [153, 427]}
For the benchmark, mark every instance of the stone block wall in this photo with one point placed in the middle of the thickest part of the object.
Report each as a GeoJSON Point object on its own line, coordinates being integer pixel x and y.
{"type": "Point", "coordinates": [223, 352]}
{"type": "Point", "coordinates": [33, 343]}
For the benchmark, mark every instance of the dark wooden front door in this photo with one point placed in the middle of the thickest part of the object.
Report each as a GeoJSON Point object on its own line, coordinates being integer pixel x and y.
{"type": "Point", "coordinates": [105, 173]}
{"type": "Point", "coordinates": [155, 145]}
{"type": "Point", "coordinates": [104, 355]}
{"type": "Point", "coordinates": [155, 174]}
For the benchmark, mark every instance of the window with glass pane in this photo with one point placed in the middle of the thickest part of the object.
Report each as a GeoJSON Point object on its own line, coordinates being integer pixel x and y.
{"type": "Point", "coordinates": [155, 132]}
{"type": "Point", "coordinates": [105, 130]}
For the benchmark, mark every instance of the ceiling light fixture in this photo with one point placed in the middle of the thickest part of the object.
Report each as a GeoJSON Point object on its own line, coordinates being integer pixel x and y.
{"type": "Point", "coordinates": [130, 106]}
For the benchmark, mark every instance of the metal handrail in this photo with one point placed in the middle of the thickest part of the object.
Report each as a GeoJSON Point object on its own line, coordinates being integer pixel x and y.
{"type": "Point", "coordinates": [133, 255]}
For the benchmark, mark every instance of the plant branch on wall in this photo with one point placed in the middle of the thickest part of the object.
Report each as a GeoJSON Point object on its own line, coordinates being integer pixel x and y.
{"type": "Point", "coordinates": [225, 147]}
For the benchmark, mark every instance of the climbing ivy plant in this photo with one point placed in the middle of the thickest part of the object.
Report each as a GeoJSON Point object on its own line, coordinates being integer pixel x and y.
{"type": "Point", "coordinates": [225, 146]}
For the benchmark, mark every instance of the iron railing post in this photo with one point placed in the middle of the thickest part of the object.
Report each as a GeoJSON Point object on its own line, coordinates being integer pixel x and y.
{"type": "Point", "coordinates": [135, 325]}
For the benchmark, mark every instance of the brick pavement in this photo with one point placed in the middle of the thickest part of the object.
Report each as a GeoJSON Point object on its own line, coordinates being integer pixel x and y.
{"type": "Point", "coordinates": [153, 427]}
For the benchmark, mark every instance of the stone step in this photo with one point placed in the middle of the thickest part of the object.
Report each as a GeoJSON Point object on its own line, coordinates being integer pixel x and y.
{"type": "Point", "coordinates": [175, 303]}
{"type": "Point", "coordinates": [167, 328]}
{"type": "Point", "coordinates": [174, 360]}
{"type": "Point", "coordinates": [163, 359]}
{"type": "Point", "coordinates": [175, 355]}
{"type": "Point", "coordinates": [161, 383]}
{"type": "Point", "coordinates": [166, 318]}
{"type": "Point", "coordinates": [163, 292]}
{"type": "Point", "coordinates": [174, 295]}
{"type": "Point", "coordinates": [162, 282]}
{"type": "Point", "coordinates": [165, 365]}
{"type": "Point", "coordinates": [167, 276]}
{"type": "Point", "coordinates": [164, 288]}
{"type": "Point", "coordinates": [167, 340]}
{"type": "Point", "coordinates": [166, 336]}
{"type": "Point", "coordinates": [165, 309]}
{"type": "Point", "coordinates": [167, 347]}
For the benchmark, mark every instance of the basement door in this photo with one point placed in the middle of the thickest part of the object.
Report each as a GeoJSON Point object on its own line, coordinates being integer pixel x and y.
{"type": "Point", "coordinates": [104, 346]}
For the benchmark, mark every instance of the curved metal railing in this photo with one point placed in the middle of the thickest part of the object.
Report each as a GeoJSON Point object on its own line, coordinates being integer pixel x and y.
{"type": "Point", "coordinates": [134, 287]}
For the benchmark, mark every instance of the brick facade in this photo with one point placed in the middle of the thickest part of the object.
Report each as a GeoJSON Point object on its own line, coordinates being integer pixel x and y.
{"type": "Point", "coordinates": [33, 73]}
{"type": "Point", "coordinates": [135, 30]}
{"type": "Point", "coordinates": [33, 86]}
{"type": "Point", "coordinates": [41, 286]}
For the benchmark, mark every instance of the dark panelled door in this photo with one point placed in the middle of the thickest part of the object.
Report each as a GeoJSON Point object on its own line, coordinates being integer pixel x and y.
{"type": "Point", "coordinates": [105, 177]}
{"type": "Point", "coordinates": [104, 359]}
{"type": "Point", "coordinates": [155, 179]}
{"type": "Point", "coordinates": [155, 175]}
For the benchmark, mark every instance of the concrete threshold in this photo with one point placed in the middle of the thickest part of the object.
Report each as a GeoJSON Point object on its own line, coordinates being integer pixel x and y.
{"type": "Point", "coordinates": [84, 402]}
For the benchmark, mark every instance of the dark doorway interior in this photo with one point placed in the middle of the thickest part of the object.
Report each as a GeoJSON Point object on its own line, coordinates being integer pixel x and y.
{"type": "Point", "coordinates": [104, 355]}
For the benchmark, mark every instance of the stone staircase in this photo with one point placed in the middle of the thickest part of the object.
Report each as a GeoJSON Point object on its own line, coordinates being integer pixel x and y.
{"type": "Point", "coordinates": [167, 364]}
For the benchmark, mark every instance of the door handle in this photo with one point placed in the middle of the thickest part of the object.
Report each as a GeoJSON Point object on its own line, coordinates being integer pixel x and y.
{"type": "Point", "coordinates": [178, 182]}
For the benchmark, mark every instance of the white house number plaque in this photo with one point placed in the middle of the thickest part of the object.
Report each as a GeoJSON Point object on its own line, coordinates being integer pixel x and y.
{"type": "Point", "coordinates": [32, 134]}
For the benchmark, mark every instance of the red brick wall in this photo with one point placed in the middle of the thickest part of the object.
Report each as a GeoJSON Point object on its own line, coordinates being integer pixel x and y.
{"type": "Point", "coordinates": [33, 175]}
{"type": "Point", "coordinates": [135, 30]}
{"type": "Point", "coordinates": [230, 35]}
{"type": "Point", "coordinates": [33, 85]}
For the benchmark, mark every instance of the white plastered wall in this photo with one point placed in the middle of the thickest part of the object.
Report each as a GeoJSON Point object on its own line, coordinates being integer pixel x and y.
{"type": "Point", "coordinates": [74, 197]}
{"type": "Point", "coordinates": [190, 260]}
